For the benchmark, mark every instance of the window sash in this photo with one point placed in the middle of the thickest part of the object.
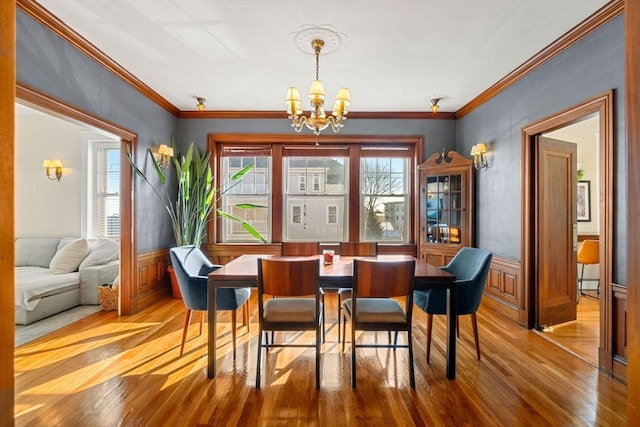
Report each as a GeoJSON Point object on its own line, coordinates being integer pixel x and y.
{"type": "Point", "coordinates": [106, 191]}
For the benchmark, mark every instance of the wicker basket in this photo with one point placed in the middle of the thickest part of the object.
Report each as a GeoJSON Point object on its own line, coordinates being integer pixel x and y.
{"type": "Point", "coordinates": [108, 297]}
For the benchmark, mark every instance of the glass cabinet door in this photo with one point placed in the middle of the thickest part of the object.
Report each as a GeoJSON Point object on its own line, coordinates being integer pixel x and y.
{"type": "Point", "coordinates": [444, 204]}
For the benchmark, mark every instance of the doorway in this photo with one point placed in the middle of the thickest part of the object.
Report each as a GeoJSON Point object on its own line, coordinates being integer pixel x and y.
{"type": "Point", "coordinates": [534, 236]}
{"type": "Point", "coordinates": [578, 327]}
{"type": "Point", "coordinates": [53, 207]}
{"type": "Point", "coordinates": [128, 259]}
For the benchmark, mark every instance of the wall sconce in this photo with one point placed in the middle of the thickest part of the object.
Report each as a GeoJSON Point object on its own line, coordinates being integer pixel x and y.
{"type": "Point", "coordinates": [200, 105]}
{"type": "Point", "coordinates": [53, 169]}
{"type": "Point", "coordinates": [478, 151]}
{"type": "Point", "coordinates": [434, 104]}
{"type": "Point", "coordinates": [164, 155]}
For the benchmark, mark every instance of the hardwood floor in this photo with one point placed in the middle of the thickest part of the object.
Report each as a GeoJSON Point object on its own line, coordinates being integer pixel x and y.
{"type": "Point", "coordinates": [582, 336]}
{"type": "Point", "coordinates": [110, 371]}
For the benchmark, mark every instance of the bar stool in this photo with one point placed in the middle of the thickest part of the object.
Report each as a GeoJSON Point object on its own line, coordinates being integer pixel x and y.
{"type": "Point", "coordinates": [588, 254]}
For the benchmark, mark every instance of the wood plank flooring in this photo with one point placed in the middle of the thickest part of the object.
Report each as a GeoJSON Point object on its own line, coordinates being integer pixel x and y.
{"type": "Point", "coordinates": [582, 336]}
{"type": "Point", "coordinates": [111, 371]}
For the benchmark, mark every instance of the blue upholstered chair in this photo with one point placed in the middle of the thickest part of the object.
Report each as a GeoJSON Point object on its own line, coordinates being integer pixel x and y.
{"type": "Point", "coordinates": [192, 267]}
{"type": "Point", "coordinates": [471, 267]}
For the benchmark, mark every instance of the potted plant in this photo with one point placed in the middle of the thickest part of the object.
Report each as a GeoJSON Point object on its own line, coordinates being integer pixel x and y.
{"type": "Point", "coordinates": [190, 210]}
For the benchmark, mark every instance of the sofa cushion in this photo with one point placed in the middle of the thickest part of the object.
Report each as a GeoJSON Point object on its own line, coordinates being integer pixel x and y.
{"type": "Point", "coordinates": [67, 259]}
{"type": "Point", "coordinates": [101, 252]}
{"type": "Point", "coordinates": [35, 252]}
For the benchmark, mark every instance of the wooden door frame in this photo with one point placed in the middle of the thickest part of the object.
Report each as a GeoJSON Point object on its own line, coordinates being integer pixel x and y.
{"type": "Point", "coordinates": [602, 104]}
{"type": "Point", "coordinates": [128, 249]}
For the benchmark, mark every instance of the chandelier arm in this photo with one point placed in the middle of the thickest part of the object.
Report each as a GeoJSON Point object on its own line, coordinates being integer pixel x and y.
{"type": "Point", "coordinates": [336, 122]}
{"type": "Point", "coordinates": [298, 123]}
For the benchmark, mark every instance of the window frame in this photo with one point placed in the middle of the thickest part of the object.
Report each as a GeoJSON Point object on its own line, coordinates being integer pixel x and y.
{"type": "Point", "coordinates": [278, 143]}
{"type": "Point", "coordinates": [91, 192]}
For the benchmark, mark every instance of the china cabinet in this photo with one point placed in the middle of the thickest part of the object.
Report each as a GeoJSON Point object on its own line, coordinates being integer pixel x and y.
{"type": "Point", "coordinates": [446, 206]}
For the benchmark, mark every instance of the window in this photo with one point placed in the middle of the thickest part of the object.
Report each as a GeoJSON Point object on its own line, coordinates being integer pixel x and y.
{"type": "Point", "coordinates": [103, 213]}
{"type": "Point", "coordinates": [341, 189]}
{"type": "Point", "coordinates": [384, 198]}
{"type": "Point", "coordinates": [254, 188]}
{"type": "Point", "coordinates": [332, 214]}
{"type": "Point", "coordinates": [308, 209]}
{"type": "Point", "coordinates": [296, 214]}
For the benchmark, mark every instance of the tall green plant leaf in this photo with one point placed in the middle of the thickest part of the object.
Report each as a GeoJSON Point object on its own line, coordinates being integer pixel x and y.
{"type": "Point", "coordinates": [191, 209]}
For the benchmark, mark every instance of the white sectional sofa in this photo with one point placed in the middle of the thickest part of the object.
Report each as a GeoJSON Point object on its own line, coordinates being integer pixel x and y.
{"type": "Point", "coordinates": [56, 274]}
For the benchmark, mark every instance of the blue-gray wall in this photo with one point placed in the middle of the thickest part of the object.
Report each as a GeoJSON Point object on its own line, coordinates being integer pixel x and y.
{"type": "Point", "coordinates": [52, 66]}
{"type": "Point", "coordinates": [591, 67]}
{"type": "Point", "coordinates": [437, 134]}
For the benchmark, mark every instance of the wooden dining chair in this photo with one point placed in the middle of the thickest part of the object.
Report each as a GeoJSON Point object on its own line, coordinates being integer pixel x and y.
{"type": "Point", "coordinates": [300, 248]}
{"type": "Point", "coordinates": [353, 249]}
{"type": "Point", "coordinates": [298, 305]}
{"type": "Point", "coordinates": [303, 249]}
{"type": "Point", "coordinates": [373, 307]}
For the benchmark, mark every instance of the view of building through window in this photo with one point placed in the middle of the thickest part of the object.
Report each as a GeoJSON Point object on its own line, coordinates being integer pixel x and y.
{"type": "Point", "coordinates": [384, 194]}
{"type": "Point", "coordinates": [255, 188]}
{"type": "Point", "coordinates": [315, 192]}
{"type": "Point", "coordinates": [104, 191]}
{"type": "Point", "coordinates": [315, 212]}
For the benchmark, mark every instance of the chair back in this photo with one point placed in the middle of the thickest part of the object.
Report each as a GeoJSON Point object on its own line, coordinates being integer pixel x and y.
{"type": "Point", "coordinates": [471, 268]}
{"type": "Point", "coordinates": [358, 248]}
{"type": "Point", "coordinates": [282, 277]}
{"type": "Point", "coordinates": [379, 279]}
{"type": "Point", "coordinates": [589, 252]}
{"type": "Point", "coordinates": [191, 267]}
{"type": "Point", "coordinates": [300, 248]}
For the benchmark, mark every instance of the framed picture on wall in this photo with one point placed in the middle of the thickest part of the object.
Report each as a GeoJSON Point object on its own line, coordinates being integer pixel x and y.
{"type": "Point", "coordinates": [584, 201]}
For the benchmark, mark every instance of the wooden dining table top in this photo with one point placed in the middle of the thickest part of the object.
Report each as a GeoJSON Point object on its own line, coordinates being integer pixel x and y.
{"type": "Point", "coordinates": [244, 269]}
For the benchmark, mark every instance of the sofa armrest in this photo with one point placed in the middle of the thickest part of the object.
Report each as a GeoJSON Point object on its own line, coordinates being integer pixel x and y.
{"type": "Point", "coordinates": [94, 276]}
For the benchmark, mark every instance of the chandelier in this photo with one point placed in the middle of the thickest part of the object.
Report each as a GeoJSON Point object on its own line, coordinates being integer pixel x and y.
{"type": "Point", "coordinates": [317, 120]}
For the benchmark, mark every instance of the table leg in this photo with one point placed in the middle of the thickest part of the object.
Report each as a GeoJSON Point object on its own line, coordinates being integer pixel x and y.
{"type": "Point", "coordinates": [211, 333]}
{"type": "Point", "coordinates": [451, 333]}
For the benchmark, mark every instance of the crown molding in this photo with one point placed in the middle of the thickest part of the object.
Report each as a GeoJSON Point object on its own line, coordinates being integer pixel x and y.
{"type": "Point", "coordinates": [50, 21]}
{"type": "Point", "coordinates": [378, 115]}
{"type": "Point", "coordinates": [53, 23]}
{"type": "Point", "coordinates": [586, 27]}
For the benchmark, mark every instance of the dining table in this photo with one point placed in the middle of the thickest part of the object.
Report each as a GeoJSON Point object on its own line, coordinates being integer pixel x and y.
{"type": "Point", "coordinates": [242, 272]}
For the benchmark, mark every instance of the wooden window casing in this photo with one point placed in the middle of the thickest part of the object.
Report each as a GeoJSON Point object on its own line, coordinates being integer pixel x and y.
{"type": "Point", "coordinates": [352, 146]}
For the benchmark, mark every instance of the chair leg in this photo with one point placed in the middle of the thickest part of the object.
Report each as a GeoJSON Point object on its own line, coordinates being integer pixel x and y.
{"type": "Point", "coordinates": [318, 343]}
{"type": "Point", "coordinates": [429, 327]}
{"type": "Point", "coordinates": [245, 318]}
{"type": "Point", "coordinates": [187, 320]}
{"type": "Point", "coordinates": [202, 313]}
{"type": "Point", "coordinates": [412, 376]}
{"type": "Point", "coordinates": [233, 330]}
{"type": "Point", "coordinates": [339, 313]}
{"type": "Point", "coordinates": [353, 355]}
{"type": "Point", "coordinates": [474, 323]}
{"type": "Point", "coordinates": [259, 356]}
{"type": "Point", "coordinates": [344, 329]}
{"type": "Point", "coordinates": [266, 339]}
{"type": "Point", "coordinates": [324, 337]}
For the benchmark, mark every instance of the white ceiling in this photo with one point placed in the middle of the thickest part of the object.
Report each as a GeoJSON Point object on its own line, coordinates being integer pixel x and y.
{"type": "Point", "coordinates": [397, 54]}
